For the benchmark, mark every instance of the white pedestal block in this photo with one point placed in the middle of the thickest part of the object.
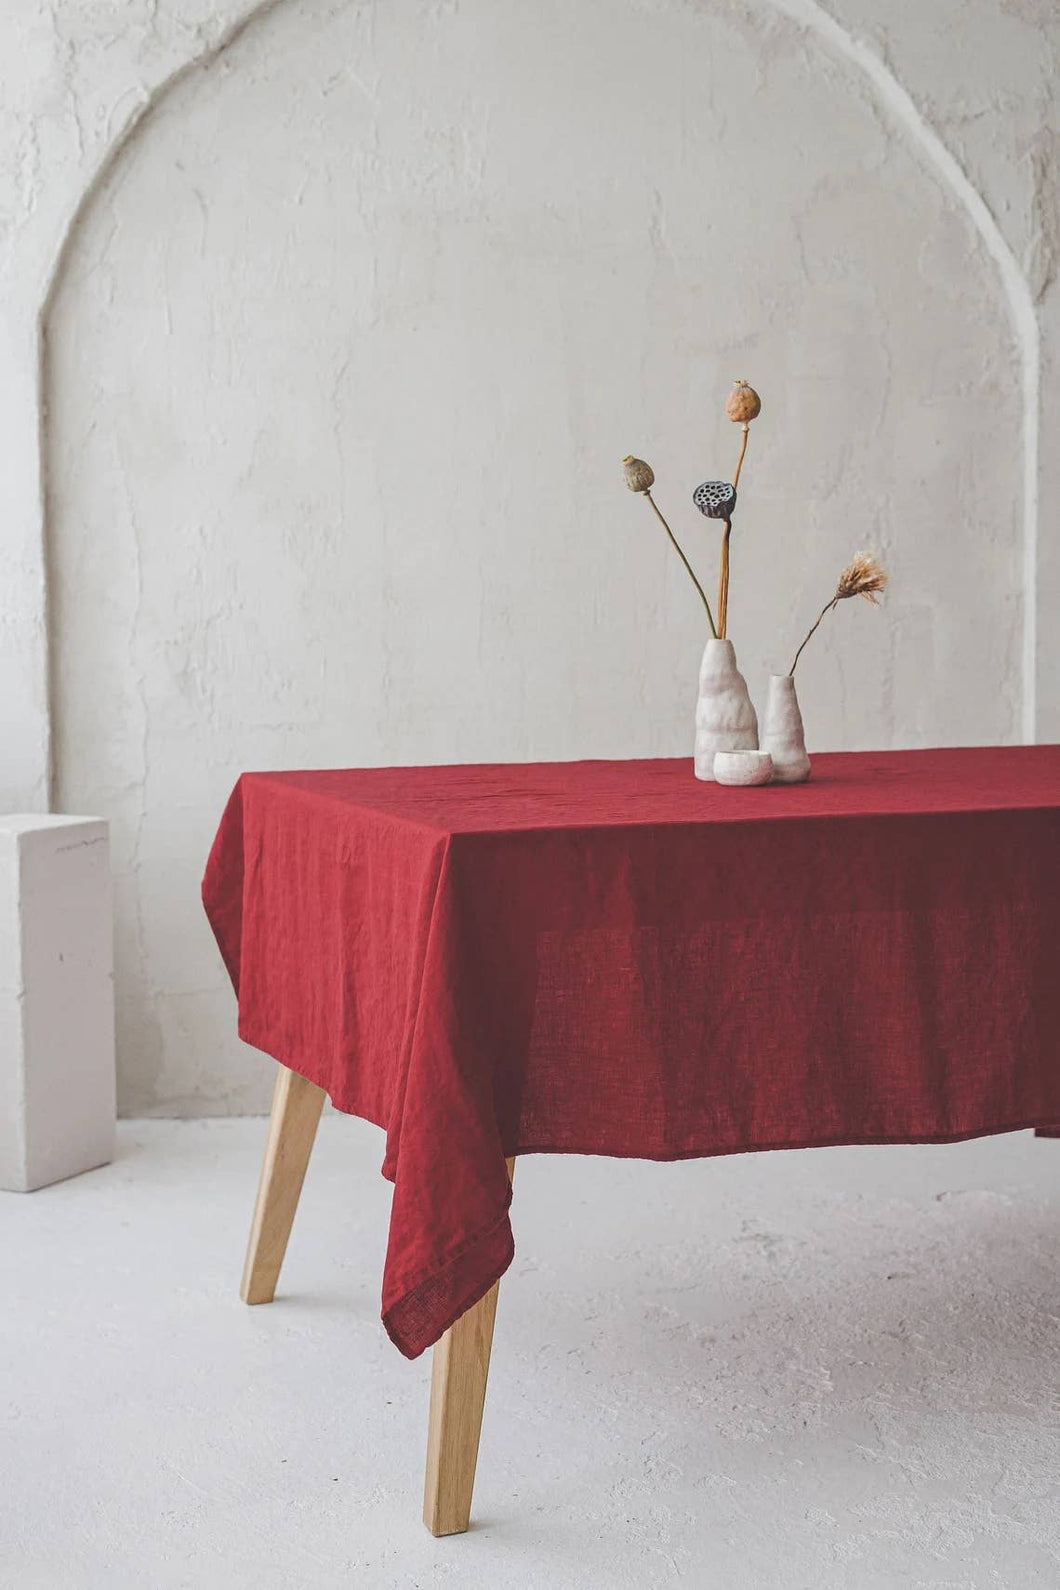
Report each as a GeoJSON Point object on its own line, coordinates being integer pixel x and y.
{"type": "Point", "coordinates": [56, 1000]}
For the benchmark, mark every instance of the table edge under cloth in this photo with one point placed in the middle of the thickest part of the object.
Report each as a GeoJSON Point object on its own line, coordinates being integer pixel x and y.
{"type": "Point", "coordinates": [419, 1304]}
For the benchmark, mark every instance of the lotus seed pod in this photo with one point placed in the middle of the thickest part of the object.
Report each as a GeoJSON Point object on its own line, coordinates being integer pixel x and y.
{"type": "Point", "coordinates": [639, 475]}
{"type": "Point", "coordinates": [715, 498]}
{"type": "Point", "coordinates": [743, 404]}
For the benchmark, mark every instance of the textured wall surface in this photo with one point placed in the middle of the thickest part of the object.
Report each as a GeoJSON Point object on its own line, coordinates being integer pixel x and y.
{"type": "Point", "coordinates": [357, 312]}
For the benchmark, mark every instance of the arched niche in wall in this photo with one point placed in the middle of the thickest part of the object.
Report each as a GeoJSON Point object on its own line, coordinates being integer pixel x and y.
{"type": "Point", "coordinates": [345, 354]}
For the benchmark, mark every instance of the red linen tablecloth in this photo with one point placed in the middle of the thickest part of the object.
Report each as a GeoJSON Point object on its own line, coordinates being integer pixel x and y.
{"type": "Point", "coordinates": [612, 958]}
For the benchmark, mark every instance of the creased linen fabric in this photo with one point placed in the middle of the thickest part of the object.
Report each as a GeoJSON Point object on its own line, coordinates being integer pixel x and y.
{"type": "Point", "coordinates": [613, 958]}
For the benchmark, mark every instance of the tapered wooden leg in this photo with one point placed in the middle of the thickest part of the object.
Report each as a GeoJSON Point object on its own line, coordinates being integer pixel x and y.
{"type": "Point", "coordinates": [458, 1394]}
{"type": "Point", "coordinates": [296, 1107]}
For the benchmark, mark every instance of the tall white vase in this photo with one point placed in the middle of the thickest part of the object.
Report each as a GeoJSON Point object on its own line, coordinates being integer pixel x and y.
{"type": "Point", "coordinates": [725, 717]}
{"type": "Point", "coordinates": [782, 732]}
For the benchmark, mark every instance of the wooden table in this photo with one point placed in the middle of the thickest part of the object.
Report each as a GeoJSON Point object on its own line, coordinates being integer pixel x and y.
{"type": "Point", "coordinates": [611, 958]}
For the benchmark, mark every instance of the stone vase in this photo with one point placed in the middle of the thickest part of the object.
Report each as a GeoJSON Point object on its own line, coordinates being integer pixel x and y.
{"type": "Point", "coordinates": [782, 732]}
{"type": "Point", "coordinates": [725, 718]}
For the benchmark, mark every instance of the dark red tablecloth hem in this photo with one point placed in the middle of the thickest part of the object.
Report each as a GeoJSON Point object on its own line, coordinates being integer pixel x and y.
{"type": "Point", "coordinates": [484, 1259]}
{"type": "Point", "coordinates": [487, 1253]}
{"type": "Point", "coordinates": [871, 1140]}
{"type": "Point", "coordinates": [318, 1075]}
{"type": "Point", "coordinates": [469, 1273]}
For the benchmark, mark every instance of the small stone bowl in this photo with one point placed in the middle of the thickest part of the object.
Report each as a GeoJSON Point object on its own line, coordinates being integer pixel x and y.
{"type": "Point", "coordinates": [743, 767]}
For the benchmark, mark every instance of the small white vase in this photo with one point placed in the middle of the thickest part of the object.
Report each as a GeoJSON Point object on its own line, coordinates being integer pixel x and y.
{"type": "Point", "coordinates": [782, 732]}
{"type": "Point", "coordinates": [725, 717]}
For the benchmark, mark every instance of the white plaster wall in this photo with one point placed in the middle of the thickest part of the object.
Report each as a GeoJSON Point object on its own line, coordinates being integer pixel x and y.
{"type": "Point", "coordinates": [74, 81]}
{"type": "Point", "coordinates": [345, 349]}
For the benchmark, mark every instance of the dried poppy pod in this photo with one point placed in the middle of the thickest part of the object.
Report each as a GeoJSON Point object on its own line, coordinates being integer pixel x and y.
{"type": "Point", "coordinates": [639, 475]}
{"type": "Point", "coordinates": [715, 498]}
{"type": "Point", "coordinates": [743, 404]}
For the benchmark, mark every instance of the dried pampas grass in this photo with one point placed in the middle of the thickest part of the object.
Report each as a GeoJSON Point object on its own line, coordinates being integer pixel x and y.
{"type": "Point", "coordinates": [862, 576]}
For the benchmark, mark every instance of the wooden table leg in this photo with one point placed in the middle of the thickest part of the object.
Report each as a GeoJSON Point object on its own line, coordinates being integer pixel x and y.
{"type": "Point", "coordinates": [296, 1107]}
{"type": "Point", "coordinates": [458, 1394]}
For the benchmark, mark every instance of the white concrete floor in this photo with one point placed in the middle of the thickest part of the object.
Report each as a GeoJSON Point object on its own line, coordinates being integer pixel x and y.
{"type": "Point", "coordinates": [796, 1371]}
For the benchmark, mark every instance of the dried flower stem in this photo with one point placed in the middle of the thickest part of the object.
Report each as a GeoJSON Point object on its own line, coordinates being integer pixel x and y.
{"type": "Point", "coordinates": [861, 577]}
{"type": "Point", "coordinates": [827, 608]}
{"type": "Point", "coordinates": [684, 560]}
{"type": "Point", "coordinates": [723, 576]}
{"type": "Point", "coordinates": [739, 461]}
{"type": "Point", "coordinates": [723, 582]}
